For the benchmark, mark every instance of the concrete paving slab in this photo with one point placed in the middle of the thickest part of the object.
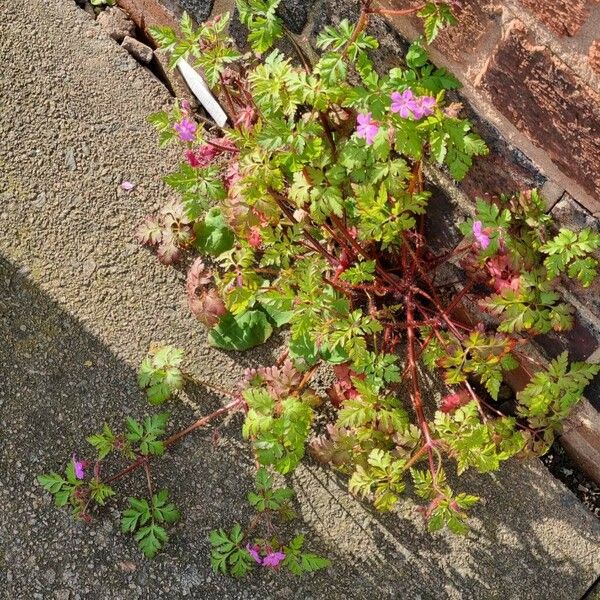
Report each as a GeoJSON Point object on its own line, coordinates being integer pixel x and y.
{"type": "Point", "coordinates": [80, 302]}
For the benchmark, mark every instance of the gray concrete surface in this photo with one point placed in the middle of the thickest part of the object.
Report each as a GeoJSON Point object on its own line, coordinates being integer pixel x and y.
{"type": "Point", "coordinates": [80, 302]}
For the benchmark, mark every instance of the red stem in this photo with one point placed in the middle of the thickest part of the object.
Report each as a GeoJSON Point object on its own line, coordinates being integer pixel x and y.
{"type": "Point", "coordinates": [143, 461]}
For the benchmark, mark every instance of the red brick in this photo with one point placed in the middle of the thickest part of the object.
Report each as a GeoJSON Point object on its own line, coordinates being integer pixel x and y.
{"type": "Point", "coordinates": [594, 56]}
{"type": "Point", "coordinates": [475, 17]}
{"type": "Point", "coordinates": [546, 101]}
{"type": "Point", "coordinates": [564, 17]}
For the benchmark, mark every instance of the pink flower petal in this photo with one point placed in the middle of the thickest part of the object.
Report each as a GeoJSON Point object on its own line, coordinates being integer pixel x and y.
{"type": "Point", "coordinates": [127, 186]}
{"type": "Point", "coordinates": [273, 559]}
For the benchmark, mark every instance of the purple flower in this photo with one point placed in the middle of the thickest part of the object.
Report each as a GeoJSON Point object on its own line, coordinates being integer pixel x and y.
{"type": "Point", "coordinates": [403, 103]}
{"type": "Point", "coordinates": [273, 559]}
{"type": "Point", "coordinates": [480, 236]}
{"type": "Point", "coordinates": [253, 550]}
{"type": "Point", "coordinates": [423, 106]}
{"type": "Point", "coordinates": [78, 465]}
{"type": "Point", "coordinates": [367, 129]}
{"type": "Point", "coordinates": [186, 130]}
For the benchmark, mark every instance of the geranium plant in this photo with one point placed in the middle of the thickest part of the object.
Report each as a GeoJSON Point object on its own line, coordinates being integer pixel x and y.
{"type": "Point", "coordinates": [308, 213]}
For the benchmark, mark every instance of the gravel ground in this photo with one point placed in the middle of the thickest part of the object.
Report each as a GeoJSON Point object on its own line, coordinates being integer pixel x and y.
{"type": "Point", "coordinates": [80, 302]}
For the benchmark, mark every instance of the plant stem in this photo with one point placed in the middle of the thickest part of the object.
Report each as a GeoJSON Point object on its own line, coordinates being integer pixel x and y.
{"type": "Point", "coordinates": [148, 479]}
{"type": "Point", "coordinates": [395, 11]}
{"type": "Point", "coordinates": [142, 461]}
{"type": "Point", "coordinates": [416, 392]}
{"type": "Point", "coordinates": [282, 202]}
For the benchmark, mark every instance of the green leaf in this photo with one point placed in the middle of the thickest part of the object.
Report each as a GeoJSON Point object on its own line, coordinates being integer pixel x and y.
{"type": "Point", "coordinates": [213, 235]}
{"type": "Point", "coordinates": [52, 482]}
{"type": "Point", "coordinates": [103, 442]}
{"type": "Point", "coordinates": [165, 37]}
{"type": "Point", "coordinates": [100, 492]}
{"type": "Point", "coordinates": [302, 348]}
{"type": "Point", "coordinates": [435, 17]}
{"type": "Point", "coordinates": [241, 332]}
{"type": "Point", "coordinates": [417, 55]}
{"type": "Point", "coordinates": [151, 539]}
{"type": "Point", "coordinates": [265, 27]}
{"type": "Point", "coordinates": [163, 511]}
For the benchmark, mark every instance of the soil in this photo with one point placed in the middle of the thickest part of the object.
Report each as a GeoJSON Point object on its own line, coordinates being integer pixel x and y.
{"type": "Point", "coordinates": [565, 470]}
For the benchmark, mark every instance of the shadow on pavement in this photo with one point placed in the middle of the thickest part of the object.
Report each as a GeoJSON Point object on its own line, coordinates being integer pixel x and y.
{"type": "Point", "coordinates": [59, 383]}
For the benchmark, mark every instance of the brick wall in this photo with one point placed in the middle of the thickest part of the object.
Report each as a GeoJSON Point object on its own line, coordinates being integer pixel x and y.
{"type": "Point", "coordinates": [530, 71]}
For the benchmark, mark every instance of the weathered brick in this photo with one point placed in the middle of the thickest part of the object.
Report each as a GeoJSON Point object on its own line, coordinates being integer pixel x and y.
{"type": "Point", "coordinates": [476, 17]}
{"type": "Point", "coordinates": [546, 101]}
{"type": "Point", "coordinates": [569, 213]}
{"type": "Point", "coordinates": [564, 17]}
{"type": "Point", "coordinates": [504, 170]}
{"type": "Point", "coordinates": [149, 13]}
{"type": "Point", "coordinates": [295, 13]}
{"type": "Point", "coordinates": [594, 56]}
{"type": "Point", "coordinates": [199, 9]}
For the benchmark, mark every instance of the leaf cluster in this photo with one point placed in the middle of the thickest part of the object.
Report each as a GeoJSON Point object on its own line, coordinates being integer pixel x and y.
{"type": "Point", "coordinates": [146, 521]}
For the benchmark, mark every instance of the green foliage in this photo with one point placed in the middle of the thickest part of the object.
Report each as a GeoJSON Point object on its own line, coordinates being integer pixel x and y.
{"type": "Point", "coordinates": [208, 45]}
{"type": "Point", "coordinates": [146, 435]}
{"type": "Point", "coordinates": [146, 520]}
{"type": "Point", "coordinates": [569, 252]}
{"type": "Point", "coordinates": [278, 428]}
{"type": "Point", "coordinates": [227, 555]}
{"type": "Point", "coordinates": [103, 442]}
{"type": "Point", "coordinates": [230, 552]}
{"type": "Point", "coordinates": [241, 332]}
{"type": "Point", "coordinates": [60, 487]}
{"type": "Point", "coordinates": [103, 2]}
{"type": "Point", "coordinates": [213, 235]}
{"type": "Point", "coordinates": [382, 478]}
{"type": "Point", "coordinates": [476, 444]}
{"type": "Point", "coordinates": [264, 25]}
{"type": "Point", "coordinates": [436, 16]}
{"type": "Point", "coordinates": [551, 394]}
{"type": "Point", "coordinates": [316, 218]}
{"type": "Point", "coordinates": [299, 562]}
{"type": "Point", "coordinates": [160, 375]}
{"type": "Point", "coordinates": [267, 498]}
{"type": "Point", "coordinates": [448, 512]}
{"type": "Point", "coordinates": [199, 188]}
{"type": "Point", "coordinates": [75, 492]}
{"type": "Point", "coordinates": [486, 357]}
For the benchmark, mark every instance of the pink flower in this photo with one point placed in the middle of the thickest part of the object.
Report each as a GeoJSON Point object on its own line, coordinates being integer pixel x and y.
{"type": "Point", "coordinates": [403, 103]}
{"type": "Point", "coordinates": [186, 130]}
{"type": "Point", "coordinates": [423, 107]}
{"type": "Point", "coordinates": [272, 559]}
{"type": "Point", "coordinates": [127, 186]}
{"type": "Point", "coordinates": [367, 128]}
{"type": "Point", "coordinates": [254, 239]}
{"type": "Point", "coordinates": [480, 236]}
{"type": "Point", "coordinates": [78, 465]}
{"type": "Point", "coordinates": [253, 551]}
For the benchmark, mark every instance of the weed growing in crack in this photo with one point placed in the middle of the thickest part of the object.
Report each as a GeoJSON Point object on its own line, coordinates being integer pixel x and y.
{"type": "Point", "coordinates": [312, 210]}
